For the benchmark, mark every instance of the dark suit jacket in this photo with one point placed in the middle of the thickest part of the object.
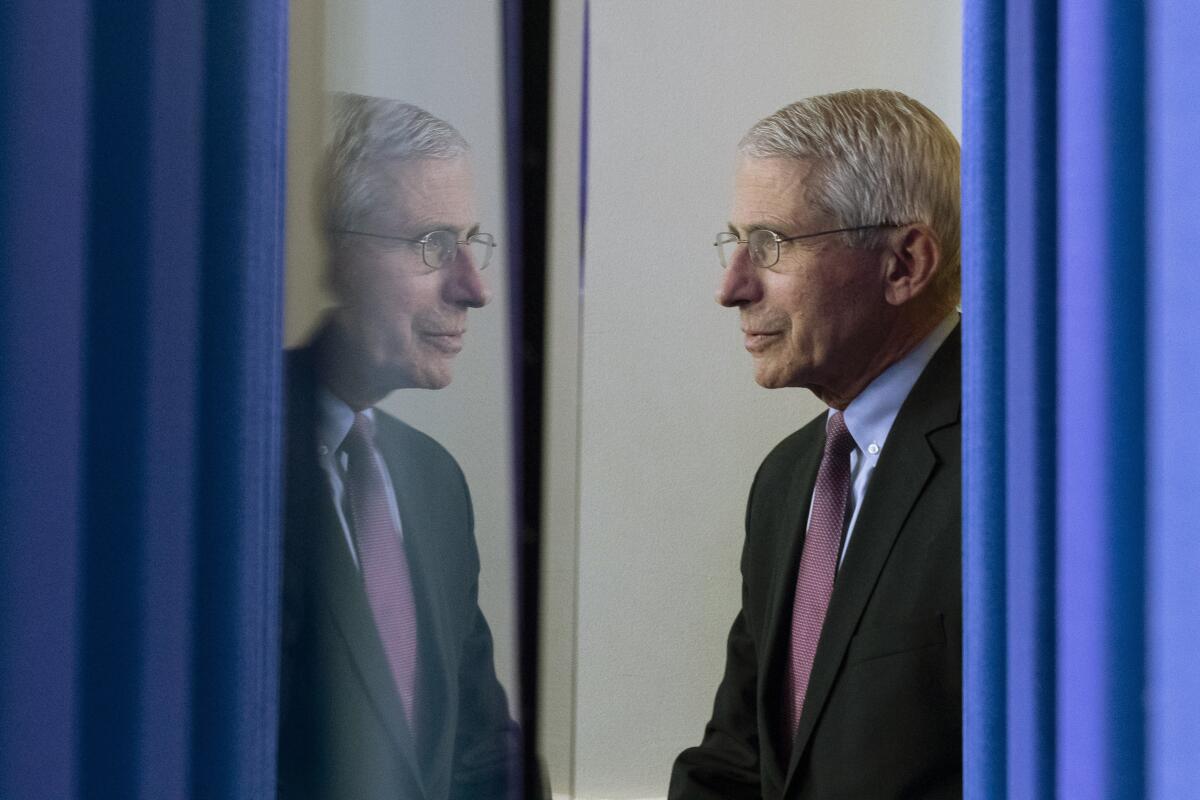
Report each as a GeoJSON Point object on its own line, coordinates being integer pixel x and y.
{"type": "Point", "coordinates": [882, 718]}
{"type": "Point", "coordinates": [343, 733]}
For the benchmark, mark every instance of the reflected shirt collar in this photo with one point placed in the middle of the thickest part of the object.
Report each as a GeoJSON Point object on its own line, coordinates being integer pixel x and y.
{"type": "Point", "coordinates": [869, 416]}
{"type": "Point", "coordinates": [334, 421]}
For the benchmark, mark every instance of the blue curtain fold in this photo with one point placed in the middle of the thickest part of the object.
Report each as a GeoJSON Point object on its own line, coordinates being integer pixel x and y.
{"type": "Point", "coordinates": [1080, 502]}
{"type": "Point", "coordinates": [141, 200]}
{"type": "Point", "coordinates": [984, 556]}
{"type": "Point", "coordinates": [1173, 392]}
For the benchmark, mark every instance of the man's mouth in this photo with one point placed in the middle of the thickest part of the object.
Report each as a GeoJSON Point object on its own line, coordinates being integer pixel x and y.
{"type": "Point", "coordinates": [449, 341]}
{"type": "Point", "coordinates": [758, 340]}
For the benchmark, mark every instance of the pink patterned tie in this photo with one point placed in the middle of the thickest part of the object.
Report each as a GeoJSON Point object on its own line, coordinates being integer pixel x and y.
{"type": "Point", "coordinates": [381, 557]}
{"type": "Point", "coordinates": [818, 563]}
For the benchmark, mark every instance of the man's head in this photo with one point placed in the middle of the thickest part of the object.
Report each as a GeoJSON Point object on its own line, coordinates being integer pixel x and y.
{"type": "Point", "coordinates": [394, 175]}
{"type": "Point", "coordinates": [837, 308]}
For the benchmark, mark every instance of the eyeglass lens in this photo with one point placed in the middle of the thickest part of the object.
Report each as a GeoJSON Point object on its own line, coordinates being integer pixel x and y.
{"type": "Point", "coordinates": [763, 247]}
{"type": "Point", "coordinates": [441, 248]}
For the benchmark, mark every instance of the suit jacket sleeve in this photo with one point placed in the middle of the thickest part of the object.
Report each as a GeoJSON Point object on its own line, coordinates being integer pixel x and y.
{"type": "Point", "coordinates": [486, 743]}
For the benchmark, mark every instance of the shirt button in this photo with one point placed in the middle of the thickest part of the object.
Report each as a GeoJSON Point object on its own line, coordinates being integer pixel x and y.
{"type": "Point", "coordinates": [873, 448]}
{"type": "Point", "coordinates": [322, 450]}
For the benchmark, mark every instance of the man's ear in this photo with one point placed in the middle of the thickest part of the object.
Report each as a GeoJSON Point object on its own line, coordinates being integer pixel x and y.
{"type": "Point", "coordinates": [912, 262]}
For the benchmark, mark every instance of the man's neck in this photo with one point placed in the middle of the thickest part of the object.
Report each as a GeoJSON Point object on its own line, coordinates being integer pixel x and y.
{"type": "Point", "coordinates": [343, 369]}
{"type": "Point", "coordinates": [898, 344]}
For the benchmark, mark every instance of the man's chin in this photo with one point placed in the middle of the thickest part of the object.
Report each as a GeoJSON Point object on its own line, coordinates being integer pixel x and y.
{"type": "Point", "coordinates": [424, 376]}
{"type": "Point", "coordinates": [436, 375]}
{"type": "Point", "coordinates": [772, 376]}
{"type": "Point", "coordinates": [767, 375]}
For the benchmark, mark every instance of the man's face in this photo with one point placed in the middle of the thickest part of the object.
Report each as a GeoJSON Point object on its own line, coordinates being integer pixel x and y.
{"type": "Point", "coordinates": [816, 318]}
{"type": "Point", "coordinates": [407, 320]}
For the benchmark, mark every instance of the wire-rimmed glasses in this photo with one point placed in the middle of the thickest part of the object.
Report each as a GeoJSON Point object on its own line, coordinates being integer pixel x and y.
{"type": "Point", "coordinates": [763, 244]}
{"type": "Point", "coordinates": [440, 248]}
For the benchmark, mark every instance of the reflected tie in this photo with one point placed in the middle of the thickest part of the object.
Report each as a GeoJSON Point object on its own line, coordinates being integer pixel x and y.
{"type": "Point", "coordinates": [818, 564]}
{"type": "Point", "coordinates": [381, 557]}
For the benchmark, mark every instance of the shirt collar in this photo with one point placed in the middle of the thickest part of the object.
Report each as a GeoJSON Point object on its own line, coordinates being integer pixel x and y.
{"type": "Point", "coordinates": [869, 416]}
{"type": "Point", "coordinates": [334, 419]}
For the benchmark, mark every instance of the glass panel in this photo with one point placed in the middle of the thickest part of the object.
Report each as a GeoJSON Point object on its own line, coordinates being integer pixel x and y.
{"type": "Point", "coordinates": [399, 665]}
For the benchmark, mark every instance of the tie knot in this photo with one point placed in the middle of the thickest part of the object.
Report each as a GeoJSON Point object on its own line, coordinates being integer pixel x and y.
{"type": "Point", "coordinates": [838, 441]}
{"type": "Point", "coordinates": [361, 435]}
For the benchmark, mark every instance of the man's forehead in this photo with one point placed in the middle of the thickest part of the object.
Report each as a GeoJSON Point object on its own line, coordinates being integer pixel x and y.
{"type": "Point", "coordinates": [771, 193]}
{"type": "Point", "coordinates": [433, 193]}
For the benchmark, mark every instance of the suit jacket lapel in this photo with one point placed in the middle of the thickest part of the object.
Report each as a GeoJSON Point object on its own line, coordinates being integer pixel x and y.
{"type": "Point", "coordinates": [414, 498]}
{"type": "Point", "coordinates": [908, 461]}
{"type": "Point", "coordinates": [341, 586]}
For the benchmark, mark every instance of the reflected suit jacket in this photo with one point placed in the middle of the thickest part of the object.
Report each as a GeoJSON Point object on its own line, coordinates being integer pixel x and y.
{"type": "Point", "coordinates": [343, 734]}
{"type": "Point", "coordinates": [882, 716]}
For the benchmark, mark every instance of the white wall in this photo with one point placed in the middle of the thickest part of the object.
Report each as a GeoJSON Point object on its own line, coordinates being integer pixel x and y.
{"type": "Point", "coordinates": [672, 424]}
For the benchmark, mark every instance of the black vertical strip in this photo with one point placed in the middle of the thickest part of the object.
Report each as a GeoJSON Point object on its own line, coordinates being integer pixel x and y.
{"type": "Point", "coordinates": [527, 100]}
{"type": "Point", "coordinates": [115, 397]}
{"type": "Point", "coordinates": [220, 457]}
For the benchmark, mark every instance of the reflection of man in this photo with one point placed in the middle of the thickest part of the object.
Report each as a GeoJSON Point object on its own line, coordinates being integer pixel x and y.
{"type": "Point", "coordinates": [388, 687]}
{"type": "Point", "coordinates": [842, 676]}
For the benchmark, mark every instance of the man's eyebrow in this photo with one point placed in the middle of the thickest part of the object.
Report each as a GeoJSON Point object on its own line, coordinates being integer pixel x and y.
{"type": "Point", "coordinates": [753, 226]}
{"type": "Point", "coordinates": [426, 228]}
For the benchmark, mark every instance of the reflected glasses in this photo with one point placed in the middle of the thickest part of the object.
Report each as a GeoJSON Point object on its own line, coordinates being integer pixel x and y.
{"type": "Point", "coordinates": [764, 244]}
{"type": "Point", "coordinates": [440, 248]}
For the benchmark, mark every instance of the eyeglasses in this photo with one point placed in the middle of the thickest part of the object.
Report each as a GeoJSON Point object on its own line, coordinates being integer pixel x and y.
{"type": "Point", "coordinates": [764, 244]}
{"type": "Point", "coordinates": [440, 248]}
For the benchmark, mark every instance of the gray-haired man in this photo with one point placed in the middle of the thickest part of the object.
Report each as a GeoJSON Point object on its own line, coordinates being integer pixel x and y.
{"type": "Point", "coordinates": [843, 669]}
{"type": "Point", "coordinates": [388, 686]}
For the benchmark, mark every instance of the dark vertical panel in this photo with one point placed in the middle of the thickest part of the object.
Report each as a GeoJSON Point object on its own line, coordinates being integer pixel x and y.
{"type": "Point", "coordinates": [1101, 405]}
{"type": "Point", "coordinates": [44, 54]}
{"type": "Point", "coordinates": [1030, 393]}
{"type": "Point", "coordinates": [235, 664]}
{"type": "Point", "coordinates": [1173, 208]}
{"type": "Point", "coordinates": [526, 108]}
{"type": "Point", "coordinates": [115, 449]}
{"type": "Point", "coordinates": [984, 659]}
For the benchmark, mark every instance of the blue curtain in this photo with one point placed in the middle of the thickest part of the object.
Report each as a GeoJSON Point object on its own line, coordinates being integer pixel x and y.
{"type": "Point", "coordinates": [1082, 494]}
{"type": "Point", "coordinates": [141, 199]}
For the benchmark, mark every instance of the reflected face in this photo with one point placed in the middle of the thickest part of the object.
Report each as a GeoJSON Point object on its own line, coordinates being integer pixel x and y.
{"type": "Point", "coordinates": [815, 319]}
{"type": "Point", "coordinates": [407, 320]}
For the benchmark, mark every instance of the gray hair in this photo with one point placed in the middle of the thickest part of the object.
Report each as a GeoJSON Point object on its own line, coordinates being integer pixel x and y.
{"type": "Point", "coordinates": [879, 157]}
{"type": "Point", "coordinates": [369, 134]}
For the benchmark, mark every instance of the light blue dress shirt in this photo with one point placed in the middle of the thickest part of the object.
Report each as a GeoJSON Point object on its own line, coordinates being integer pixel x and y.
{"type": "Point", "coordinates": [870, 416]}
{"type": "Point", "coordinates": [334, 421]}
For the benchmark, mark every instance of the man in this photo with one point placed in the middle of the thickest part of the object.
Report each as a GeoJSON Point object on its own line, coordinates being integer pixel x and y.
{"type": "Point", "coordinates": [388, 689]}
{"type": "Point", "coordinates": [843, 667]}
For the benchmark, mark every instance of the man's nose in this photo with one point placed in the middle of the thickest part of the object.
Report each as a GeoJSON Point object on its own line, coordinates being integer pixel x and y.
{"type": "Point", "coordinates": [464, 284]}
{"type": "Point", "coordinates": [741, 282]}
